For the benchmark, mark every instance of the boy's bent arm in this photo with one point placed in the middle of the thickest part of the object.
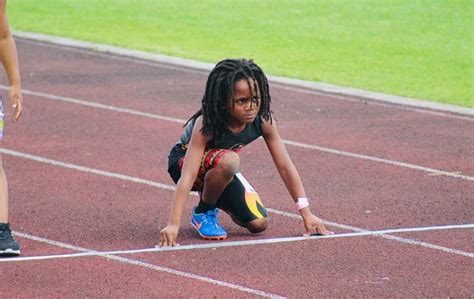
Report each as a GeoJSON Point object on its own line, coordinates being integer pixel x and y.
{"type": "Point", "coordinates": [189, 172]}
{"type": "Point", "coordinates": [290, 176]}
{"type": "Point", "coordinates": [283, 163]}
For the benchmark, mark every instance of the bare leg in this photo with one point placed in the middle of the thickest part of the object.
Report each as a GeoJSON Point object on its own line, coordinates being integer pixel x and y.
{"type": "Point", "coordinates": [3, 194]}
{"type": "Point", "coordinates": [219, 177]}
{"type": "Point", "coordinates": [8, 244]}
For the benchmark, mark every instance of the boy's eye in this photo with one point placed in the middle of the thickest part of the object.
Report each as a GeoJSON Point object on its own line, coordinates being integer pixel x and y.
{"type": "Point", "coordinates": [244, 101]}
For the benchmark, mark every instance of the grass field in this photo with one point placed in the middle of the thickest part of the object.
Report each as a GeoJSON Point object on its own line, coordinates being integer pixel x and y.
{"type": "Point", "coordinates": [419, 49]}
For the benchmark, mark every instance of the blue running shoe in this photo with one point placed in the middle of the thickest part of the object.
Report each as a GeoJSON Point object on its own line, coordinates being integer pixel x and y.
{"type": "Point", "coordinates": [207, 225]}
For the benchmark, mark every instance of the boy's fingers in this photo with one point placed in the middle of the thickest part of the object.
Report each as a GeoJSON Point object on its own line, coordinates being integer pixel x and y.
{"type": "Point", "coordinates": [167, 240]}
{"type": "Point", "coordinates": [326, 232]}
{"type": "Point", "coordinates": [318, 230]}
{"type": "Point", "coordinates": [308, 233]}
{"type": "Point", "coordinates": [163, 239]}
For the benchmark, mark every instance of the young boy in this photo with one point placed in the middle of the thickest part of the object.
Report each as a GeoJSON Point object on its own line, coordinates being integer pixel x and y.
{"type": "Point", "coordinates": [235, 111]}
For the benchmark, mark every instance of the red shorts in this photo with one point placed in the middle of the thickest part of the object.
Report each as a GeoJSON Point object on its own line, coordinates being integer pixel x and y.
{"type": "Point", "coordinates": [209, 160]}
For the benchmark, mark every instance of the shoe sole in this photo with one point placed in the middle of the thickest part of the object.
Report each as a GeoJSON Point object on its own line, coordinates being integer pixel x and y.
{"type": "Point", "coordinates": [218, 238]}
{"type": "Point", "coordinates": [10, 252]}
{"type": "Point", "coordinates": [209, 238]}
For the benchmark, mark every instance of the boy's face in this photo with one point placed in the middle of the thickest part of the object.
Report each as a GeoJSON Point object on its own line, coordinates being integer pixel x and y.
{"type": "Point", "coordinates": [244, 105]}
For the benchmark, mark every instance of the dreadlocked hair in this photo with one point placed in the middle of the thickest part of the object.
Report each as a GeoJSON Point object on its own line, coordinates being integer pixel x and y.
{"type": "Point", "coordinates": [220, 87]}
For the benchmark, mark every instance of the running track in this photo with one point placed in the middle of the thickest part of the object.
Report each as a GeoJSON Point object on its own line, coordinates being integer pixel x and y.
{"type": "Point", "coordinates": [89, 191]}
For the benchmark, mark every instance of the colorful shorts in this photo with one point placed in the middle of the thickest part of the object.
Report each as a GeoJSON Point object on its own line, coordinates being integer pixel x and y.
{"type": "Point", "coordinates": [2, 116]}
{"type": "Point", "coordinates": [238, 199]}
{"type": "Point", "coordinates": [209, 160]}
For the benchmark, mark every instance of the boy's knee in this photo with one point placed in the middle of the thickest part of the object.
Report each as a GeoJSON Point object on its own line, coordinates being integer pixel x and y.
{"type": "Point", "coordinates": [229, 164]}
{"type": "Point", "coordinates": [257, 225]}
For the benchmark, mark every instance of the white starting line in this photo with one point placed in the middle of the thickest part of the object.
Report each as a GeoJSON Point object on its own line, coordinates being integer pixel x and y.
{"type": "Point", "coordinates": [214, 245]}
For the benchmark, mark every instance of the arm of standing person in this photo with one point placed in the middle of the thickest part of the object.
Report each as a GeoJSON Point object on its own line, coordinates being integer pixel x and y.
{"type": "Point", "coordinates": [9, 58]}
{"type": "Point", "coordinates": [192, 161]}
{"type": "Point", "coordinates": [290, 176]}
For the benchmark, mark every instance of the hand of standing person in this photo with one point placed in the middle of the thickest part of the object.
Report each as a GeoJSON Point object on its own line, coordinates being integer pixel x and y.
{"type": "Point", "coordinates": [17, 101]}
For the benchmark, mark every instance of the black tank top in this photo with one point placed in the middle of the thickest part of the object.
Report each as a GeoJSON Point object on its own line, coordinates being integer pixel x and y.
{"type": "Point", "coordinates": [230, 140]}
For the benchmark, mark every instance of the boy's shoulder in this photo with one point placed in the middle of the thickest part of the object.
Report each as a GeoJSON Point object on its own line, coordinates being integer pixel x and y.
{"type": "Point", "coordinates": [268, 126]}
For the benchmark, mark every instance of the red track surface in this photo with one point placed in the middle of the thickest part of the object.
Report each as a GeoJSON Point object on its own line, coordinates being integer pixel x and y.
{"type": "Point", "coordinates": [98, 212]}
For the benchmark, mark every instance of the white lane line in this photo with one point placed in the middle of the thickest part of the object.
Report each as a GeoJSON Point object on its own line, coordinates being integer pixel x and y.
{"type": "Point", "coordinates": [431, 171]}
{"type": "Point", "coordinates": [385, 236]}
{"type": "Point", "coordinates": [98, 105]}
{"type": "Point", "coordinates": [247, 242]}
{"type": "Point", "coordinates": [189, 65]}
{"type": "Point", "coordinates": [86, 169]}
{"type": "Point", "coordinates": [388, 104]}
{"type": "Point", "coordinates": [454, 174]}
{"type": "Point", "coordinates": [172, 188]}
{"type": "Point", "coordinates": [146, 265]}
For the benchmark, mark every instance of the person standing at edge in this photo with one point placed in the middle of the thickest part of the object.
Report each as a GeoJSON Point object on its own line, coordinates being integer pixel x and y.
{"type": "Point", "coordinates": [9, 58]}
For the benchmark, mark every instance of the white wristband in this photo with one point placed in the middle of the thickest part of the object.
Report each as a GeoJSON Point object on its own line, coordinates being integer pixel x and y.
{"type": "Point", "coordinates": [302, 203]}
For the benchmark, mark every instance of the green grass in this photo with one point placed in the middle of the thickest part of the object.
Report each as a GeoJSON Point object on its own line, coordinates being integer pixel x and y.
{"type": "Point", "coordinates": [419, 49]}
